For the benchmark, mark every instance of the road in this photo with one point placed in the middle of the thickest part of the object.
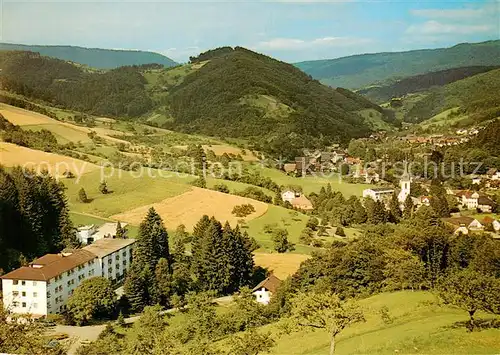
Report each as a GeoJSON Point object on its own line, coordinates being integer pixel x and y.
{"type": "Point", "coordinates": [77, 335]}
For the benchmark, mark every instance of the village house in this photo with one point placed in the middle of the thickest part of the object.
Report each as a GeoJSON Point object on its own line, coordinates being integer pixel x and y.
{"type": "Point", "coordinates": [475, 200]}
{"type": "Point", "coordinates": [290, 168]}
{"type": "Point", "coordinates": [302, 203]}
{"type": "Point", "coordinates": [352, 160]}
{"type": "Point", "coordinates": [266, 289]}
{"type": "Point", "coordinates": [369, 175]}
{"type": "Point", "coordinates": [495, 224]}
{"type": "Point", "coordinates": [91, 233]}
{"type": "Point", "coordinates": [378, 193]}
{"type": "Point", "coordinates": [44, 286]}
{"type": "Point", "coordinates": [493, 174]}
{"type": "Point", "coordinates": [476, 180]}
{"type": "Point", "coordinates": [289, 195]}
{"type": "Point", "coordinates": [463, 224]}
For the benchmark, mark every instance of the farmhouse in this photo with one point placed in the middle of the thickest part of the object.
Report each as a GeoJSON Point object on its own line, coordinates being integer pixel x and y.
{"type": "Point", "coordinates": [474, 199]}
{"type": "Point", "coordinates": [92, 233]}
{"type": "Point", "coordinates": [265, 290]}
{"type": "Point", "coordinates": [301, 202]}
{"type": "Point", "coordinates": [379, 193]}
{"type": "Point", "coordinates": [463, 224]}
{"type": "Point", "coordinates": [288, 195]}
{"type": "Point", "coordinates": [488, 221]}
{"type": "Point", "coordinates": [44, 286]}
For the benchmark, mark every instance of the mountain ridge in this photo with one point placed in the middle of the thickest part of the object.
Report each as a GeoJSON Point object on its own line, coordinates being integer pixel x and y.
{"type": "Point", "coordinates": [99, 58]}
{"type": "Point", "coordinates": [358, 71]}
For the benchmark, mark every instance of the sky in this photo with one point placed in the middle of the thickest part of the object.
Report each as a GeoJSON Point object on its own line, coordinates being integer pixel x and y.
{"type": "Point", "coordinates": [292, 31]}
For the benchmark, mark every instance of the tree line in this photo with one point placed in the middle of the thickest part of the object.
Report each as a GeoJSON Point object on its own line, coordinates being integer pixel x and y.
{"type": "Point", "coordinates": [34, 217]}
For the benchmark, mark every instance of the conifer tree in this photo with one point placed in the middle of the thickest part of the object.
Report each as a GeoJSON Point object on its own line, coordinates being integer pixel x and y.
{"type": "Point", "coordinates": [163, 281]}
{"type": "Point", "coordinates": [408, 208]}
{"type": "Point", "coordinates": [359, 216]}
{"type": "Point", "coordinates": [82, 196]}
{"type": "Point", "coordinates": [134, 288]}
{"type": "Point", "coordinates": [375, 211]}
{"type": "Point", "coordinates": [394, 210]}
{"type": "Point", "coordinates": [120, 232]}
{"type": "Point", "coordinates": [152, 241]}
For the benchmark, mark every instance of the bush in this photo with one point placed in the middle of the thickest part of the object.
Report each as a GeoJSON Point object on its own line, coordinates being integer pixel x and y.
{"type": "Point", "coordinates": [340, 231]}
{"type": "Point", "coordinates": [281, 243]}
{"type": "Point", "coordinates": [306, 236]}
{"type": "Point", "coordinates": [82, 196]}
{"type": "Point", "coordinates": [312, 223]}
{"type": "Point", "coordinates": [317, 243]}
{"type": "Point", "coordinates": [221, 188]}
{"type": "Point", "coordinates": [243, 210]}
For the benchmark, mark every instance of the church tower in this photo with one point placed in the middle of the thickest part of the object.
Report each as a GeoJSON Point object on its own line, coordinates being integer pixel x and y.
{"type": "Point", "coordinates": [405, 184]}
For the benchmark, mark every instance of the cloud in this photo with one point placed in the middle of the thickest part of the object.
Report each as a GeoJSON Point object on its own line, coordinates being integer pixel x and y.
{"type": "Point", "coordinates": [293, 44]}
{"type": "Point", "coordinates": [449, 13]}
{"type": "Point", "coordinates": [438, 28]}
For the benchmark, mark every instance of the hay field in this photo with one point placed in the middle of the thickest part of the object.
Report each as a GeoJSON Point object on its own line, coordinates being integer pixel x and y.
{"type": "Point", "coordinates": [281, 265]}
{"type": "Point", "coordinates": [12, 155]}
{"type": "Point", "coordinates": [64, 132]}
{"type": "Point", "coordinates": [190, 206]}
{"type": "Point", "coordinates": [220, 149]}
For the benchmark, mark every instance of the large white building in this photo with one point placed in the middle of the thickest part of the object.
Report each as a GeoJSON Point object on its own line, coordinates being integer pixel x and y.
{"type": "Point", "coordinates": [378, 193]}
{"type": "Point", "coordinates": [45, 285]}
{"type": "Point", "coordinates": [114, 257]}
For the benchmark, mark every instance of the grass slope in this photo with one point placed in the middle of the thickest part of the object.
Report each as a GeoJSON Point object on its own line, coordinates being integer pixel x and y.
{"type": "Point", "coordinates": [94, 57]}
{"type": "Point", "coordinates": [476, 96]}
{"type": "Point", "coordinates": [419, 326]}
{"type": "Point", "coordinates": [362, 70]}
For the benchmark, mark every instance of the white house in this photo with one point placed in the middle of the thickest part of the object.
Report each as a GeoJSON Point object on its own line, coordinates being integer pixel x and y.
{"type": "Point", "coordinates": [45, 285]}
{"type": "Point", "coordinates": [378, 193]}
{"type": "Point", "coordinates": [265, 290]}
{"type": "Point", "coordinates": [288, 195]}
{"type": "Point", "coordinates": [91, 233]}
{"type": "Point", "coordinates": [463, 224]}
{"type": "Point", "coordinates": [476, 180]}
{"type": "Point", "coordinates": [114, 257]}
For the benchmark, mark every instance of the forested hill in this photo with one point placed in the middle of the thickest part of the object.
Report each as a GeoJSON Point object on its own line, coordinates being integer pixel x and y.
{"type": "Point", "coordinates": [476, 96]}
{"type": "Point", "coordinates": [421, 82]}
{"type": "Point", "coordinates": [240, 93]}
{"type": "Point", "coordinates": [94, 57]}
{"type": "Point", "coordinates": [118, 92]}
{"type": "Point", "coordinates": [225, 92]}
{"type": "Point", "coordinates": [359, 71]}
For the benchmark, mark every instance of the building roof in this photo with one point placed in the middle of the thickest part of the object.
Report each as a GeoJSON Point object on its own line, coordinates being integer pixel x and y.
{"type": "Point", "coordinates": [301, 202]}
{"type": "Point", "coordinates": [289, 167]}
{"type": "Point", "coordinates": [106, 246]}
{"type": "Point", "coordinates": [50, 266]}
{"type": "Point", "coordinates": [491, 171]}
{"type": "Point", "coordinates": [271, 284]}
{"type": "Point", "coordinates": [382, 189]}
{"type": "Point", "coordinates": [459, 221]}
{"type": "Point", "coordinates": [107, 229]}
{"type": "Point", "coordinates": [487, 220]}
{"type": "Point", "coordinates": [485, 201]}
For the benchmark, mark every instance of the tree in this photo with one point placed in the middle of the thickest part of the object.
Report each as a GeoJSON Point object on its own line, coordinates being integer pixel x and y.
{"type": "Point", "coordinates": [472, 291]}
{"type": "Point", "coordinates": [152, 241]}
{"type": "Point", "coordinates": [250, 342]}
{"type": "Point", "coordinates": [82, 196]}
{"type": "Point", "coordinates": [408, 208]}
{"type": "Point", "coordinates": [375, 211]}
{"type": "Point", "coordinates": [323, 311]}
{"type": "Point", "coordinates": [403, 269]}
{"type": "Point", "coordinates": [306, 236]}
{"type": "Point", "coordinates": [103, 188]}
{"type": "Point", "coordinates": [120, 232]}
{"type": "Point", "coordinates": [312, 223]}
{"type": "Point", "coordinates": [134, 288]}
{"type": "Point", "coordinates": [359, 212]}
{"type": "Point", "coordinates": [394, 209]}
{"type": "Point", "coordinates": [94, 297]}
{"type": "Point", "coordinates": [163, 281]}
{"type": "Point", "coordinates": [280, 240]}
{"type": "Point", "coordinates": [340, 231]}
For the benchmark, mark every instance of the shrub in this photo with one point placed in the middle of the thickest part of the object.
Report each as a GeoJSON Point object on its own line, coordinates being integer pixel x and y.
{"type": "Point", "coordinates": [340, 231]}
{"type": "Point", "coordinates": [243, 210]}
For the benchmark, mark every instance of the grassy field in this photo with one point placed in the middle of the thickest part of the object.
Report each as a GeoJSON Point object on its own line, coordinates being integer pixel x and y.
{"type": "Point", "coordinates": [293, 222]}
{"type": "Point", "coordinates": [12, 155]}
{"type": "Point", "coordinates": [313, 184]}
{"type": "Point", "coordinates": [63, 133]}
{"type": "Point", "coordinates": [442, 120]}
{"type": "Point", "coordinates": [190, 206]}
{"type": "Point", "coordinates": [374, 119]}
{"type": "Point", "coordinates": [419, 326]}
{"type": "Point", "coordinates": [128, 191]}
{"type": "Point", "coordinates": [281, 265]}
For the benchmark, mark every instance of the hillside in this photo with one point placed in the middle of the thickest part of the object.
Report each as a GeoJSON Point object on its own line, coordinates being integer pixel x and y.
{"type": "Point", "coordinates": [476, 96]}
{"type": "Point", "coordinates": [359, 71]}
{"type": "Point", "coordinates": [263, 97]}
{"type": "Point", "coordinates": [94, 57]}
{"type": "Point", "coordinates": [421, 82]}
{"type": "Point", "coordinates": [118, 92]}
{"type": "Point", "coordinates": [235, 93]}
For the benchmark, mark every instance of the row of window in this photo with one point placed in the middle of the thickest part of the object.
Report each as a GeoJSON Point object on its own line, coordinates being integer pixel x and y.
{"type": "Point", "coordinates": [23, 294]}
{"type": "Point", "coordinates": [23, 283]}
{"type": "Point", "coordinates": [23, 304]}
